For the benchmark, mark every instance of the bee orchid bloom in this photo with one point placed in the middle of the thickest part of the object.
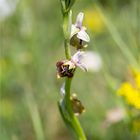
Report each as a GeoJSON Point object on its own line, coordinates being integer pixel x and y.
{"type": "Point", "coordinates": [66, 68]}
{"type": "Point", "coordinates": [79, 37]}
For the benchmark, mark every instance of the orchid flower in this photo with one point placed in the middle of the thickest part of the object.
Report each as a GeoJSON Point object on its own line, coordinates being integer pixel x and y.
{"type": "Point", "coordinates": [66, 68]}
{"type": "Point", "coordinates": [79, 37]}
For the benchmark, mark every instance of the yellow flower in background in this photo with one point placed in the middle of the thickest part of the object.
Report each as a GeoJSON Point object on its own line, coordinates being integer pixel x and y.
{"type": "Point", "coordinates": [93, 20]}
{"type": "Point", "coordinates": [138, 81]}
{"type": "Point", "coordinates": [131, 91]}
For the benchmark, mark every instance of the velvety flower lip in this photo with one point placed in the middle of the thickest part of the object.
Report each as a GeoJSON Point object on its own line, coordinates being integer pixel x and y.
{"type": "Point", "coordinates": [65, 68]}
{"type": "Point", "coordinates": [79, 30]}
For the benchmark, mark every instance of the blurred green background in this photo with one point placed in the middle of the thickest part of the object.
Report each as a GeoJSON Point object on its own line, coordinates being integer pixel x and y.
{"type": "Point", "coordinates": [31, 42]}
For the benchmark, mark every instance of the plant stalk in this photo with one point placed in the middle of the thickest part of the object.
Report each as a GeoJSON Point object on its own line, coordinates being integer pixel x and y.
{"type": "Point", "coordinates": [71, 119]}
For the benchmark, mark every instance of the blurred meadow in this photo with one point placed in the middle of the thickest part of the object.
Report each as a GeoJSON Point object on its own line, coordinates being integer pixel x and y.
{"type": "Point", "coordinates": [31, 42]}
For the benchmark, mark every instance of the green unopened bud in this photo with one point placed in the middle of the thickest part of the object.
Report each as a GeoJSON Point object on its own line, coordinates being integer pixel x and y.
{"type": "Point", "coordinates": [69, 4]}
{"type": "Point", "coordinates": [77, 105]}
{"type": "Point", "coordinates": [66, 5]}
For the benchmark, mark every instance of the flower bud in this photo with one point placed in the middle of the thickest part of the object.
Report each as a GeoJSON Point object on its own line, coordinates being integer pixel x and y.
{"type": "Point", "coordinates": [77, 106]}
{"type": "Point", "coordinates": [66, 5]}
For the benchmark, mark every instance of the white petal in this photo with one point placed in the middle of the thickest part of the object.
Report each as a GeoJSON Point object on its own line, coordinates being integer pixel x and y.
{"type": "Point", "coordinates": [92, 60]}
{"type": "Point", "coordinates": [77, 56]}
{"type": "Point", "coordinates": [74, 30]}
{"type": "Point", "coordinates": [83, 36]}
{"type": "Point", "coordinates": [79, 20]}
{"type": "Point", "coordinates": [83, 67]}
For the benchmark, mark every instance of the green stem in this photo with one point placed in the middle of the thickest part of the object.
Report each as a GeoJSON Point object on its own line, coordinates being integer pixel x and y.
{"type": "Point", "coordinates": [78, 129]}
{"type": "Point", "coordinates": [75, 124]}
{"type": "Point", "coordinates": [66, 31]}
{"type": "Point", "coordinates": [67, 96]}
{"type": "Point", "coordinates": [71, 118]}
